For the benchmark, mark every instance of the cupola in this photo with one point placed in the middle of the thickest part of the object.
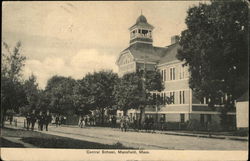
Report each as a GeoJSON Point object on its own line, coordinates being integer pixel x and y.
{"type": "Point", "coordinates": [141, 31]}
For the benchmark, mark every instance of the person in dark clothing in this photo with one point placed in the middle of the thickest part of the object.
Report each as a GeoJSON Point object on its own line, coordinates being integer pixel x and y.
{"type": "Point", "coordinates": [47, 120]}
{"type": "Point", "coordinates": [162, 120]}
{"type": "Point", "coordinates": [151, 123]}
{"type": "Point", "coordinates": [57, 120]}
{"type": "Point", "coordinates": [33, 119]}
{"type": "Point", "coordinates": [28, 120]}
{"type": "Point", "coordinates": [113, 121]}
{"type": "Point", "coordinates": [60, 120]}
{"type": "Point", "coordinates": [134, 123]}
{"type": "Point", "coordinates": [147, 123]}
{"type": "Point", "coordinates": [40, 119]}
{"type": "Point", "coordinates": [11, 118]}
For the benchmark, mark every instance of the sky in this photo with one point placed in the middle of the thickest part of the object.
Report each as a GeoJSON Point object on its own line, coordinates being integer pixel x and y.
{"type": "Point", "coordinates": [75, 38]}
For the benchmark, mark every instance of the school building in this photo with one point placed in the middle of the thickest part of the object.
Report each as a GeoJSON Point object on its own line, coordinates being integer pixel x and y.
{"type": "Point", "coordinates": [142, 54]}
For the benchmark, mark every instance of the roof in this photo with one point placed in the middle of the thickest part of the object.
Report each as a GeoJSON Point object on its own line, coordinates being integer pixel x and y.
{"type": "Point", "coordinates": [141, 18]}
{"type": "Point", "coordinates": [142, 23]}
{"type": "Point", "coordinates": [171, 53]}
{"type": "Point", "coordinates": [244, 97]}
{"type": "Point", "coordinates": [151, 53]}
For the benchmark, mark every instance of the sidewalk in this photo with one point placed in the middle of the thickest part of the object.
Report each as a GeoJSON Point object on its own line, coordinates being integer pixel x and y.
{"type": "Point", "coordinates": [240, 138]}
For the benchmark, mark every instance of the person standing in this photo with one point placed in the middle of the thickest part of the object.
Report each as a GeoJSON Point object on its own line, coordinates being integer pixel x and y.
{"type": "Point", "coordinates": [57, 120]}
{"type": "Point", "coordinates": [11, 118]}
{"type": "Point", "coordinates": [33, 119]}
{"type": "Point", "coordinates": [134, 123]}
{"type": "Point", "coordinates": [122, 123]}
{"type": "Point", "coordinates": [28, 120]}
{"type": "Point", "coordinates": [40, 118]}
{"type": "Point", "coordinates": [151, 122]}
{"type": "Point", "coordinates": [47, 120]}
{"type": "Point", "coordinates": [113, 121]}
{"type": "Point", "coordinates": [162, 120]}
{"type": "Point", "coordinates": [147, 123]}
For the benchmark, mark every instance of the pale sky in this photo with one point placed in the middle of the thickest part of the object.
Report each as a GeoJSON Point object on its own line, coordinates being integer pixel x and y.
{"type": "Point", "coordinates": [74, 38]}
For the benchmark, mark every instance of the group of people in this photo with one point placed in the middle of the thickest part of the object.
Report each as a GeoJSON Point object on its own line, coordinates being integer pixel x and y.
{"type": "Point", "coordinates": [59, 120]}
{"type": "Point", "coordinates": [86, 120]}
{"type": "Point", "coordinates": [148, 124]}
{"type": "Point", "coordinates": [43, 120]}
{"type": "Point", "coordinates": [112, 121]}
{"type": "Point", "coordinates": [124, 123]}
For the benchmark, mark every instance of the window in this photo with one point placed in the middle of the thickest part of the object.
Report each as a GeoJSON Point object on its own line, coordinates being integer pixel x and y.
{"type": "Point", "coordinates": [165, 75]}
{"type": "Point", "coordinates": [172, 73]}
{"type": "Point", "coordinates": [182, 118]}
{"type": "Point", "coordinates": [182, 97]}
{"type": "Point", "coordinates": [162, 75]}
{"type": "Point", "coordinates": [182, 72]}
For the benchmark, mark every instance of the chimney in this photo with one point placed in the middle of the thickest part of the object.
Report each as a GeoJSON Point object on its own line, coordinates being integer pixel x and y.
{"type": "Point", "coordinates": [175, 39]}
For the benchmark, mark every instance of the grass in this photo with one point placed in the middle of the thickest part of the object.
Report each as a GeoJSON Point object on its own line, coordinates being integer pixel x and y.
{"type": "Point", "coordinates": [42, 140]}
{"type": "Point", "coordinates": [7, 143]}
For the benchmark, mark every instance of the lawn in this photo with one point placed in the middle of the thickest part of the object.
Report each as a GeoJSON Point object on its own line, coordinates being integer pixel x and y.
{"type": "Point", "coordinates": [7, 143]}
{"type": "Point", "coordinates": [42, 140]}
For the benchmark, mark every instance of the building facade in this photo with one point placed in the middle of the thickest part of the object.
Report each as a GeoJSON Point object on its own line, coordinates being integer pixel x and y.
{"type": "Point", "coordinates": [142, 54]}
{"type": "Point", "coordinates": [242, 112]}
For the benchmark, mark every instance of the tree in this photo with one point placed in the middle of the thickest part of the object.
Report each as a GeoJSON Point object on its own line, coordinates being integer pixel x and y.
{"type": "Point", "coordinates": [32, 93]}
{"type": "Point", "coordinates": [82, 98]}
{"type": "Point", "coordinates": [215, 47]}
{"type": "Point", "coordinates": [12, 92]}
{"type": "Point", "coordinates": [133, 91]}
{"type": "Point", "coordinates": [59, 95]}
{"type": "Point", "coordinates": [100, 87]}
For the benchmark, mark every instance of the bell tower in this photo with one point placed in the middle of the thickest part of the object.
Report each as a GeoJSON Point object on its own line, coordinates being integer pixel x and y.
{"type": "Point", "coordinates": [141, 31]}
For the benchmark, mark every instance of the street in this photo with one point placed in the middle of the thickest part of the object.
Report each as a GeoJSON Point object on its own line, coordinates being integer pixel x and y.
{"type": "Point", "coordinates": [146, 140]}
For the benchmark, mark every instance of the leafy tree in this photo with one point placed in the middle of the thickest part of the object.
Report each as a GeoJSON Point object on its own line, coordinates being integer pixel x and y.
{"type": "Point", "coordinates": [82, 99]}
{"type": "Point", "coordinates": [32, 93]}
{"type": "Point", "coordinates": [215, 47]}
{"type": "Point", "coordinates": [100, 87]}
{"type": "Point", "coordinates": [12, 92]}
{"type": "Point", "coordinates": [133, 91]}
{"type": "Point", "coordinates": [59, 95]}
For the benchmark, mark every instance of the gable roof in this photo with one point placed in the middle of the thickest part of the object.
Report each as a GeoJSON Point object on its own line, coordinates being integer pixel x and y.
{"type": "Point", "coordinates": [171, 53]}
{"type": "Point", "coordinates": [141, 51]}
{"type": "Point", "coordinates": [152, 53]}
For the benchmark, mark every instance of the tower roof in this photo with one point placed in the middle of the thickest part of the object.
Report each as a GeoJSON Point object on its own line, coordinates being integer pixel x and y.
{"type": "Point", "coordinates": [142, 22]}
{"type": "Point", "coordinates": [141, 19]}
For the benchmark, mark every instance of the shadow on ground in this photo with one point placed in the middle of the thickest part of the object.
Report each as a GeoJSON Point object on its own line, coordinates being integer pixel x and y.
{"type": "Point", "coordinates": [42, 140]}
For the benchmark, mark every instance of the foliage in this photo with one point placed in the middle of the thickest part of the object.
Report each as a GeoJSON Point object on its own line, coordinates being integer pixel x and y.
{"type": "Point", "coordinates": [97, 90]}
{"type": "Point", "coordinates": [32, 93]}
{"type": "Point", "coordinates": [59, 95]}
{"type": "Point", "coordinates": [214, 46]}
{"type": "Point", "coordinates": [12, 91]}
{"type": "Point", "coordinates": [133, 89]}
